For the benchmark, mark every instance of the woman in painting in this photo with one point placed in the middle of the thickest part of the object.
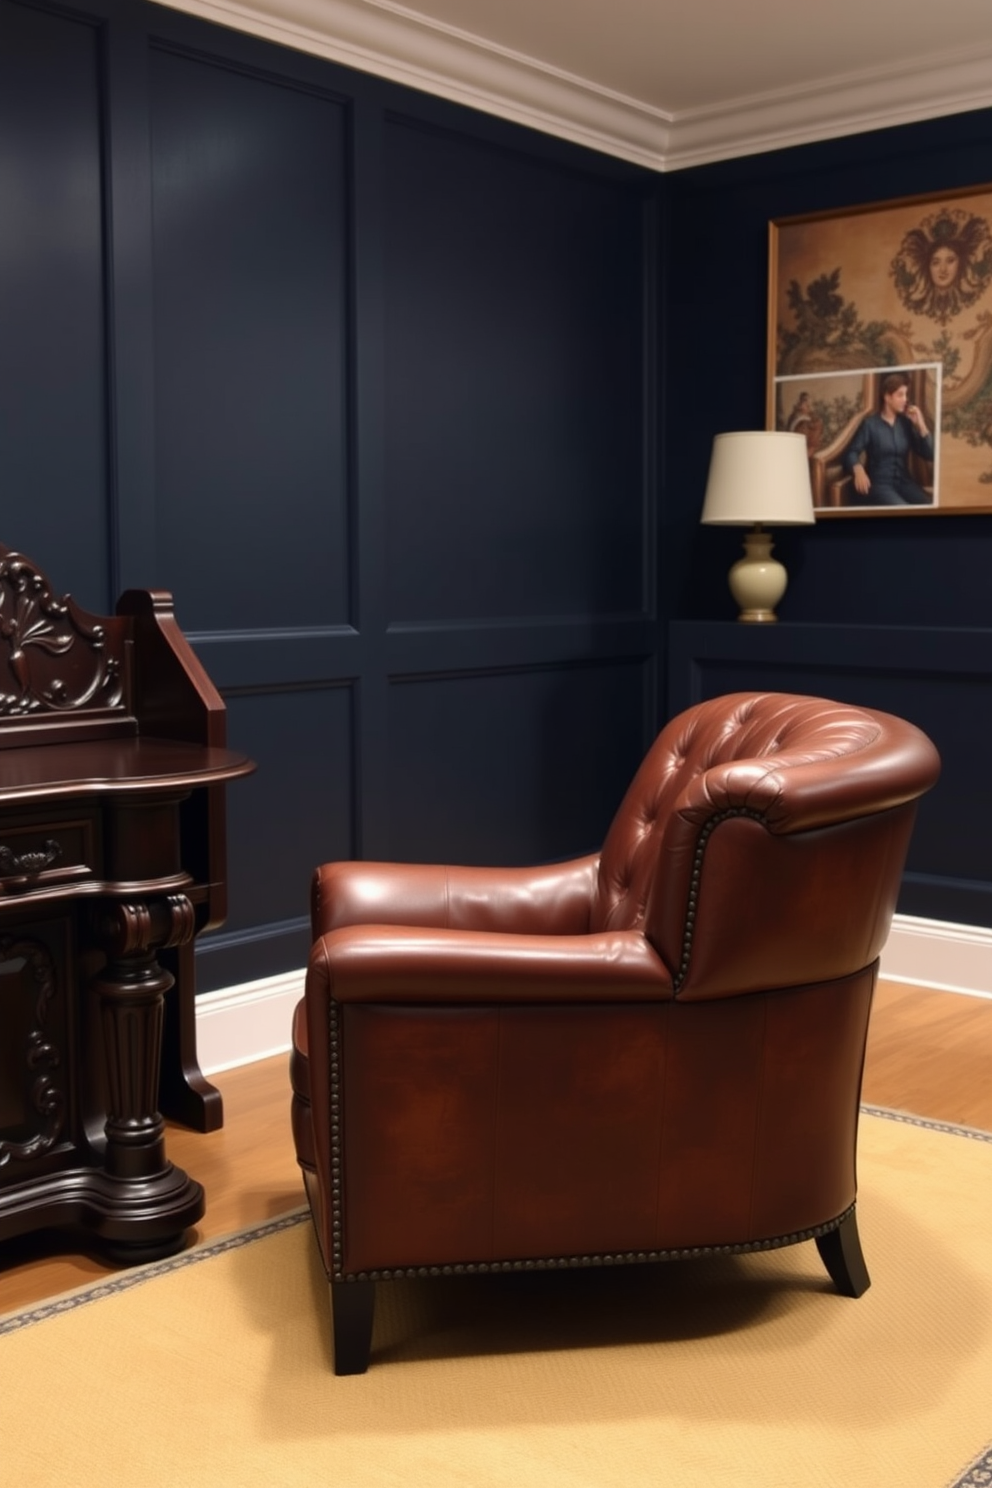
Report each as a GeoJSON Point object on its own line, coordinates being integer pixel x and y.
{"type": "Point", "coordinates": [944, 265]}
{"type": "Point", "coordinates": [877, 456]}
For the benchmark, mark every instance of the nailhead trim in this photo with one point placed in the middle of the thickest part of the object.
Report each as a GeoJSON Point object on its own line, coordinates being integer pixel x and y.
{"type": "Point", "coordinates": [560, 1263]}
{"type": "Point", "coordinates": [337, 1216]}
{"type": "Point", "coordinates": [697, 872]}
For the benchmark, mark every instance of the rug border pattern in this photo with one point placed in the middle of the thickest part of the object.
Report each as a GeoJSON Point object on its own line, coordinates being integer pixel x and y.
{"type": "Point", "coordinates": [975, 1133]}
{"type": "Point", "coordinates": [97, 1291]}
{"type": "Point", "coordinates": [978, 1474]}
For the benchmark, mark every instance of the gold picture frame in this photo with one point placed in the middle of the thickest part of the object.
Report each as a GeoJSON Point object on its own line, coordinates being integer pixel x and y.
{"type": "Point", "coordinates": [859, 295]}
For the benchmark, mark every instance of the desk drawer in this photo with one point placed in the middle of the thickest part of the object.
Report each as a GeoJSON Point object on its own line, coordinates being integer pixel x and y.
{"type": "Point", "coordinates": [35, 855]}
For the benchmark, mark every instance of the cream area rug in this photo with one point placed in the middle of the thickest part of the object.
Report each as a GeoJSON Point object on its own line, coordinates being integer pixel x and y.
{"type": "Point", "coordinates": [214, 1368]}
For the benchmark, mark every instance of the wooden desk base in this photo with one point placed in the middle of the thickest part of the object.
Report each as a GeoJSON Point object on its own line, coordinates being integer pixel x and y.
{"type": "Point", "coordinates": [82, 1143]}
{"type": "Point", "coordinates": [112, 860]}
{"type": "Point", "coordinates": [131, 1222]}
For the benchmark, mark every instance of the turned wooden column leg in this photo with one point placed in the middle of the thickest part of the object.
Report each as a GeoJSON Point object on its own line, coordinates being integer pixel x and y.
{"type": "Point", "coordinates": [132, 1008]}
{"type": "Point", "coordinates": [131, 989]}
{"type": "Point", "coordinates": [153, 1202]}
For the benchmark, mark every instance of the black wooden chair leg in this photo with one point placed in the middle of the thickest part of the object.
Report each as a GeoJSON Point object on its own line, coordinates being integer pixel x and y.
{"type": "Point", "coordinates": [352, 1309]}
{"type": "Point", "coordinates": [840, 1252]}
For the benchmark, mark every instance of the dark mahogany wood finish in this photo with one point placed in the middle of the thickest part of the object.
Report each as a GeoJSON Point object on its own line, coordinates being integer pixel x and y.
{"type": "Point", "coordinates": [112, 769]}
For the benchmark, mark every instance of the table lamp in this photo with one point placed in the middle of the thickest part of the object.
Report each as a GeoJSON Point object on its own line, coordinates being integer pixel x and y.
{"type": "Point", "coordinates": [758, 478]}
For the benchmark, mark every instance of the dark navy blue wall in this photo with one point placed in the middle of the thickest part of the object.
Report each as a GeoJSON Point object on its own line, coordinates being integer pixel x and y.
{"type": "Point", "coordinates": [411, 409]}
{"type": "Point", "coordinates": [894, 611]}
{"type": "Point", "coordinates": [53, 374]}
{"type": "Point", "coordinates": [366, 380]}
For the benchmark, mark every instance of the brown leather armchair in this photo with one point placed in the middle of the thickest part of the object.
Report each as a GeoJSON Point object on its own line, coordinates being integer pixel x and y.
{"type": "Point", "coordinates": [645, 1053]}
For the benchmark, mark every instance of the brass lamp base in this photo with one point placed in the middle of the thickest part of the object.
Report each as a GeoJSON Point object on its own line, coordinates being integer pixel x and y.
{"type": "Point", "coordinates": [758, 581]}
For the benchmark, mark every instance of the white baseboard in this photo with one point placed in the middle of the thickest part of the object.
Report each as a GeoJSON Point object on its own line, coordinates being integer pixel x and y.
{"type": "Point", "coordinates": [238, 1025]}
{"type": "Point", "coordinates": [935, 953]}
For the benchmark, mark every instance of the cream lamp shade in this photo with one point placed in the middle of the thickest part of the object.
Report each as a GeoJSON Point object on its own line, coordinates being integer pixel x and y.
{"type": "Point", "coordinates": [758, 478]}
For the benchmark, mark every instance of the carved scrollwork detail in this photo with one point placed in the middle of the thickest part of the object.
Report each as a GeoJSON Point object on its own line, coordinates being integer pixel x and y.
{"type": "Point", "coordinates": [131, 927]}
{"type": "Point", "coordinates": [41, 1056]}
{"type": "Point", "coordinates": [124, 929]}
{"type": "Point", "coordinates": [35, 620]}
{"type": "Point", "coordinates": [182, 920]}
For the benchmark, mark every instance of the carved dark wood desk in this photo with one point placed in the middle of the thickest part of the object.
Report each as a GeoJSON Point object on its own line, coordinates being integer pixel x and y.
{"type": "Point", "coordinates": [112, 771]}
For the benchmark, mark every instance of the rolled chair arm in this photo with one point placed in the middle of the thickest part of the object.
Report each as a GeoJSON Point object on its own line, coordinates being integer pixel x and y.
{"type": "Point", "coordinates": [552, 900]}
{"type": "Point", "coordinates": [776, 867]}
{"type": "Point", "coordinates": [409, 964]}
{"type": "Point", "coordinates": [758, 910]}
{"type": "Point", "coordinates": [794, 791]}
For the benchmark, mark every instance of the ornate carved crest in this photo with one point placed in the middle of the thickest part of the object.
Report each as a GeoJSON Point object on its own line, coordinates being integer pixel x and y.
{"type": "Point", "coordinates": [54, 657]}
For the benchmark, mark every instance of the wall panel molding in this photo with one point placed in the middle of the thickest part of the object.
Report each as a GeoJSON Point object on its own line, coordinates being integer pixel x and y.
{"type": "Point", "coordinates": [419, 649]}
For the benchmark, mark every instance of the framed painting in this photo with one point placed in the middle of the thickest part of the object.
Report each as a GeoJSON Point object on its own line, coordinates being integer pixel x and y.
{"type": "Point", "coordinates": [880, 352]}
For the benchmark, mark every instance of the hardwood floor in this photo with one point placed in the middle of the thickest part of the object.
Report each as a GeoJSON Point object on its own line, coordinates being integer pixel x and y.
{"type": "Point", "coordinates": [931, 1053]}
{"type": "Point", "coordinates": [928, 1052]}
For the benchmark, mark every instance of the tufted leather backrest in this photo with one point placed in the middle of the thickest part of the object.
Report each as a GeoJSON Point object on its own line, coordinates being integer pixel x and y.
{"type": "Point", "coordinates": [786, 762]}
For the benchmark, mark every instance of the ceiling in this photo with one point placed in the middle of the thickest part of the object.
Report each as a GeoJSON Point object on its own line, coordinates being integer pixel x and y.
{"type": "Point", "coordinates": [661, 84]}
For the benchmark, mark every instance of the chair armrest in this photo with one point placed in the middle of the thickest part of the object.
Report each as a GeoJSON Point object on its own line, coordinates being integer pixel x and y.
{"type": "Point", "coordinates": [777, 910]}
{"type": "Point", "coordinates": [794, 791]}
{"type": "Point", "coordinates": [552, 900]}
{"type": "Point", "coordinates": [403, 964]}
{"type": "Point", "coordinates": [782, 867]}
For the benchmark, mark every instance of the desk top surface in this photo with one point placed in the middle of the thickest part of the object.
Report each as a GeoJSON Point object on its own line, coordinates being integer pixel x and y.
{"type": "Point", "coordinates": [108, 767]}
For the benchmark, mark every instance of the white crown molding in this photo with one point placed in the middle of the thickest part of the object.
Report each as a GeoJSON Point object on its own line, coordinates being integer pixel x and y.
{"type": "Point", "coordinates": [407, 48]}
{"type": "Point", "coordinates": [238, 1025]}
{"type": "Point", "coordinates": [952, 83]}
{"type": "Point", "coordinates": [398, 43]}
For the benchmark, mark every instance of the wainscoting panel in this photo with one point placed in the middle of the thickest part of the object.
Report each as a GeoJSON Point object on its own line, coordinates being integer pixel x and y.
{"type": "Point", "coordinates": [296, 811]}
{"type": "Point", "coordinates": [939, 680]}
{"type": "Point", "coordinates": [514, 766]}
{"type": "Point", "coordinates": [251, 230]}
{"type": "Point", "coordinates": [54, 477]}
{"type": "Point", "coordinates": [515, 329]}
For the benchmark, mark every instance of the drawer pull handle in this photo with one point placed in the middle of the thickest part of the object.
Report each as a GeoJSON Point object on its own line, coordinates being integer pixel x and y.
{"type": "Point", "coordinates": [30, 862]}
